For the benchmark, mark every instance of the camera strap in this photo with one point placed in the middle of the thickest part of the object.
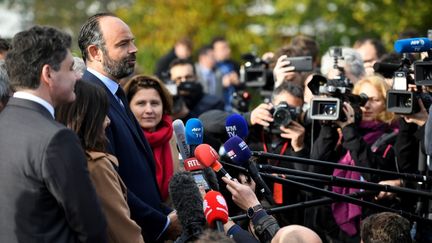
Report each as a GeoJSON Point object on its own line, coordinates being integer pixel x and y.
{"type": "Point", "coordinates": [277, 187]}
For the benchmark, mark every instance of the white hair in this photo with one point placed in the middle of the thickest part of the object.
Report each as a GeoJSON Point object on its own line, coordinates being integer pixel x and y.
{"type": "Point", "coordinates": [352, 62]}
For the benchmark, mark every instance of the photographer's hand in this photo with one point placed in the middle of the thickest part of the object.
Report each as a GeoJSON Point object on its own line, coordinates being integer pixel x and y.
{"type": "Point", "coordinates": [283, 70]}
{"type": "Point", "coordinates": [349, 113]}
{"type": "Point", "coordinates": [261, 115]}
{"type": "Point", "coordinates": [294, 131]}
{"type": "Point", "coordinates": [418, 118]}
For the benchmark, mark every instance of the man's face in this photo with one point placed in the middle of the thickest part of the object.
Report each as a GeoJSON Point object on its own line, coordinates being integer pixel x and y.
{"type": "Point", "coordinates": [369, 55]}
{"type": "Point", "coordinates": [222, 51]}
{"type": "Point", "coordinates": [119, 50]}
{"type": "Point", "coordinates": [63, 82]}
{"type": "Point", "coordinates": [182, 73]}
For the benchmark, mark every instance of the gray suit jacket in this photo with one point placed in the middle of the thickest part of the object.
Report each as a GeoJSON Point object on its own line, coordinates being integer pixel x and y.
{"type": "Point", "coordinates": [46, 193]}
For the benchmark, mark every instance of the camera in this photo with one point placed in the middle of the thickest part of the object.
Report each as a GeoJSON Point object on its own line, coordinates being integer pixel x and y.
{"type": "Point", "coordinates": [336, 91]}
{"type": "Point", "coordinates": [240, 101]}
{"type": "Point", "coordinates": [399, 99]}
{"type": "Point", "coordinates": [256, 72]}
{"type": "Point", "coordinates": [283, 114]}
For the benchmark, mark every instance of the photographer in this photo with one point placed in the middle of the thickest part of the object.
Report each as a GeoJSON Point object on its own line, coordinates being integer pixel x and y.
{"type": "Point", "coordinates": [191, 101]}
{"type": "Point", "coordinates": [353, 142]}
{"type": "Point", "coordinates": [268, 134]}
{"type": "Point", "coordinates": [284, 71]}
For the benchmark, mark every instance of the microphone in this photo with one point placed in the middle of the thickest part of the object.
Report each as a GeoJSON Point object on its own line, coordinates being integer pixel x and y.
{"type": "Point", "coordinates": [188, 202]}
{"type": "Point", "coordinates": [239, 153]}
{"type": "Point", "coordinates": [412, 45]}
{"type": "Point", "coordinates": [386, 69]}
{"type": "Point", "coordinates": [236, 125]}
{"type": "Point", "coordinates": [180, 137]}
{"type": "Point", "coordinates": [215, 210]}
{"type": "Point", "coordinates": [208, 157]}
{"type": "Point", "coordinates": [194, 133]}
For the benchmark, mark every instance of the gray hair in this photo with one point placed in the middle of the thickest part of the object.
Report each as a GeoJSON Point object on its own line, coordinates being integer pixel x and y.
{"type": "Point", "coordinates": [352, 62]}
{"type": "Point", "coordinates": [79, 66]}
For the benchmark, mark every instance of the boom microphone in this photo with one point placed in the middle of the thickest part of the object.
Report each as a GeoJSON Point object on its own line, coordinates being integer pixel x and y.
{"type": "Point", "coordinates": [188, 202]}
{"type": "Point", "coordinates": [194, 133]}
{"type": "Point", "coordinates": [208, 157]}
{"type": "Point", "coordinates": [236, 125]}
{"type": "Point", "coordinates": [412, 45]}
{"type": "Point", "coordinates": [215, 210]}
{"type": "Point", "coordinates": [239, 153]}
{"type": "Point", "coordinates": [179, 132]}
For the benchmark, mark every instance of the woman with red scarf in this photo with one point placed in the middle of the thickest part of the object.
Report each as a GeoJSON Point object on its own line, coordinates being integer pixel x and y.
{"type": "Point", "coordinates": [357, 142]}
{"type": "Point", "coordinates": [152, 104]}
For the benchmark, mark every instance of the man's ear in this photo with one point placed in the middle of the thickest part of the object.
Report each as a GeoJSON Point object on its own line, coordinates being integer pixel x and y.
{"type": "Point", "coordinates": [46, 75]}
{"type": "Point", "coordinates": [95, 53]}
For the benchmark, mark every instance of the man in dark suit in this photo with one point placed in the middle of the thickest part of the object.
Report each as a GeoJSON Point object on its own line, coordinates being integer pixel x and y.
{"type": "Point", "coordinates": [107, 46]}
{"type": "Point", "coordinates": [46, 194]}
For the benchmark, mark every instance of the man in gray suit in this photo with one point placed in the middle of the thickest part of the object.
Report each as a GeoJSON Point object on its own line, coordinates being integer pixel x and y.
{"type": "Point", "coordinates": [46, 194]}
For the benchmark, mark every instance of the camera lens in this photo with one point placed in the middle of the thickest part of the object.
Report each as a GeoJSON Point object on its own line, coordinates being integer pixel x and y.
{"type": "Point", "coordinates": [329, 109]}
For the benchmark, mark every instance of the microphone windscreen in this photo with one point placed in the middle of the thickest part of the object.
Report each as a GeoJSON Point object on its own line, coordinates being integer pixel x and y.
{"type": "Point", "coordinates": [194, 131]}
{"type": "Point", "coordinates": [187, 200]}
{"type": "Point", "coordinates": [412, 45]}
{"type": "Point", "coordinates": [237, 150]}
{"type": "Point", "coordinates": [236, 125]}
{"type": "Point", "coordinates": [215, 208]}
{"type": "Point", "coordinates": [180, 136]}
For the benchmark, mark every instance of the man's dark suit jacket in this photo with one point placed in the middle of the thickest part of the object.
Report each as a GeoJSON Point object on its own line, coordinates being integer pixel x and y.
{"type": "Point", "coordinates": [136, 166]}
{"type": "Point", "coordinates": [46, 193]}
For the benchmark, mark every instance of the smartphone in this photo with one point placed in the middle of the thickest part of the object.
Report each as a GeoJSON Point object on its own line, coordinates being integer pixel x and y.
{"type": "Point", "coordinates": [301, 64]}
{"type": "Point", "coordinates": [200, 180]}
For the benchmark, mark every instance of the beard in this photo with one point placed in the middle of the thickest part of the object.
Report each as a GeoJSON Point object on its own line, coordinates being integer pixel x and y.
{"type": "Point", "coordinates": [118, 68]}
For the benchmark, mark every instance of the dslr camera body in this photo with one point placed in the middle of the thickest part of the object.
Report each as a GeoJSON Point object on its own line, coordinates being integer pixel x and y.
{"type": "Point", "coordinates": [283, 114]}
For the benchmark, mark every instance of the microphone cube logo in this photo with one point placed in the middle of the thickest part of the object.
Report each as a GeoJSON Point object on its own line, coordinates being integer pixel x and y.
{"type": "Point", "coordinates": [231, 154]}
{"type": "Point", "coordinates": [231, 130]}
{"type": "Point", "coordinates": [197, 132]}
{"type": "Point", "coordinates": [243, 145]}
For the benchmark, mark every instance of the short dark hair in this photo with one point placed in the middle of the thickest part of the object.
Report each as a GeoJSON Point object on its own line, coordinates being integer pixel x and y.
{"type": "Point", "coordinates": [289, 87]}
{"type": "Point", "coordinates": [378, 45]}
{"type": "Point", "coordinates": [213, 236]}
{"type": "Point", "coordinates": [308, 44]}
{"type": "Point", "coordinates": [86, 115]}
{"type": "Point", "coordinates": [204, 50]}
{"type": "Point", "coordinates": [31, 50]}
{"type": "Point", "coordinates": [4, 45]}
{"type": "Point", "coordinates": [181, 62]}
{"type": "Point", "coordinates": [218, 39]}
{"type": "Point", "coordinates": [385, 227]}
{"type": "Point", "coordinates": [91, 34]}
{"type": "Point", "coordinates": [139, 82]}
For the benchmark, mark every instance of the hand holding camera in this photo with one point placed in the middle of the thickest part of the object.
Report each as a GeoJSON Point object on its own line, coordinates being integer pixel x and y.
{"type": "Point", "coordinates": [350, 115]}
{"type": "Point", "coordinates": [261, 115]}
{"type": "Point", "coordinates": [283, 70]}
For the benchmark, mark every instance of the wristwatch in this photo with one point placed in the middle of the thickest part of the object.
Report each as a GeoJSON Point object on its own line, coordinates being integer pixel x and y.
{"type": "Point", "coordinates": [252, 210]}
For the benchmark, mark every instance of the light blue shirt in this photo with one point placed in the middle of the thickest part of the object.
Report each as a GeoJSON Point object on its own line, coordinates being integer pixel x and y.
{"type": "Point", "coordinates": [34, 98]}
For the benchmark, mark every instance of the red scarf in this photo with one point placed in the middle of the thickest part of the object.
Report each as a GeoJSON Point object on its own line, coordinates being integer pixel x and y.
{"type": "Point", "coordinates": [159, 142]}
